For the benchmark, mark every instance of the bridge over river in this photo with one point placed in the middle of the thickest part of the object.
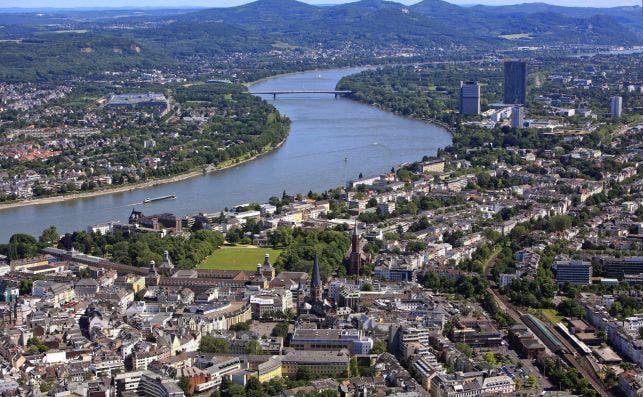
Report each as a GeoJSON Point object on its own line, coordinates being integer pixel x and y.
{"type": "Point", "coordinates": [295, 92]}
{"type": "Point", "coordinates": [330, 142]}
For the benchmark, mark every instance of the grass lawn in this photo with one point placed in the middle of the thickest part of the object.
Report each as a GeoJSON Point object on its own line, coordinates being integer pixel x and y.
{"type": "Point", "coordinates": [552, 315]}
{"type": "Point", "coordinates": [243, 257]}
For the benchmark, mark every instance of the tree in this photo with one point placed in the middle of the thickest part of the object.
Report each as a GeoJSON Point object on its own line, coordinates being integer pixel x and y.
{"type": "Point", "coordinates": [464, 348]}
{"type": "Point", "coordinates": [490, 358]}
{"type": "Point", "coordinates": [48, 385]}
{"type": "Point", "coordinates": [532, 381]}
{"type": "Point", "coordinates": [518, 383]}
{"type": "Point", "coordinates": [354, 368]}
{"type": "Point", "coordinates": [211, 344]}
{"type": "Point", "coordinates": [280, 330]}
{"type": "Point", "coordinates": [25, 287]}
{"type": "Point", "coordinates": [602, 335]}
{"type": "Point", "coordinates": [304, 373]}
{"type": "Point", "coordinates": [235, 390]}
{"type": "Point", "coordinates": [50, 236]}
{"type": "Point", "coordinates": [36, 345]}
{"type": "Point", "coordinates": [253, 384]}
{"type": "Point", "coordinates": [610, 379]}
{"type": "Point", "coordinates": [245, 326]}
{"type": "Point", "coordinates": [571, 308]}
{"type": "Point", "coordinates": [184, 384]}
{"type": "Point", "coordinates": [379, 347]}
{"type": "Point", "coordinates": [254, 347]}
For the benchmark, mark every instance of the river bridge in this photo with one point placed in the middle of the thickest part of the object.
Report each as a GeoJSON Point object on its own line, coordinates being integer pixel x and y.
{"type": "Point", "coordinates": [294, 92]}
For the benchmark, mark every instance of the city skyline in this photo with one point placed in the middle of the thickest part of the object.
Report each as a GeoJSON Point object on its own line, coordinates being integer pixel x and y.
{"type": "Point", "coordinates": [231, 3]}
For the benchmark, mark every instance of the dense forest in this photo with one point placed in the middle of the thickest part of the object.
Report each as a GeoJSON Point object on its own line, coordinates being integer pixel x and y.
{"type": "Point", "coordinates": [134, 249]}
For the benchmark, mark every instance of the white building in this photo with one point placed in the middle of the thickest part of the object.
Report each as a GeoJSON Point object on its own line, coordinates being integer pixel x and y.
{"type": "Point", "coordinates": [616, 106]}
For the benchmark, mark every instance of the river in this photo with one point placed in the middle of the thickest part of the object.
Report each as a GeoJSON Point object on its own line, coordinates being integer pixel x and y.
{"type": "Point", "coordinates": [331, 141]}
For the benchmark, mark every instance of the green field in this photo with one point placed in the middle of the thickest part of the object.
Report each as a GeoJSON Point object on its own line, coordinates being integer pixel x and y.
{"type": "Point", "coordinates": [238, 258]}
{"type": "Point", "coordinates": [516, 36]}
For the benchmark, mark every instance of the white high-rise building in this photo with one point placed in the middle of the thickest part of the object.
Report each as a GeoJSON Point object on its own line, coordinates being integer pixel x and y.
{"type": "Point", "coordinates": [517, 117]}
{"type": "Point", "coordinates": [616, 106]}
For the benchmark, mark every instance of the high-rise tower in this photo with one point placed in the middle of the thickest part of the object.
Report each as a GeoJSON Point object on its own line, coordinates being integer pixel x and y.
{"type": "Point", "coordinates": [469, 98]}
{"type": "Point", "coordinates": [515, 87]}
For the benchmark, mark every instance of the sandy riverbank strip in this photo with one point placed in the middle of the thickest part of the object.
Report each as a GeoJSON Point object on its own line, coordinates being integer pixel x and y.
{"type": "Point", "coordinates": [139, 185]}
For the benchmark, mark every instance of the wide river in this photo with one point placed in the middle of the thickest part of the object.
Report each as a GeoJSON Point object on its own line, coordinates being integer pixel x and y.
{"type": "Point", "coordinates": [331, 141]}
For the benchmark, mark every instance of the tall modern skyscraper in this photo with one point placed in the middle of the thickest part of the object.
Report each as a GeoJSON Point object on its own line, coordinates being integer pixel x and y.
{"type": "Point", "coordinates": [515, 88]}
{"type": "Point", "coordinates": [616, 106]}
{"type": "Point", "coordinates": [469, 98]}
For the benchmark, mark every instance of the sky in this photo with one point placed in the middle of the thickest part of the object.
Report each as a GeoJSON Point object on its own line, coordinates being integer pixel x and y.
{"type": "Point", "coordinates": [226, 3]}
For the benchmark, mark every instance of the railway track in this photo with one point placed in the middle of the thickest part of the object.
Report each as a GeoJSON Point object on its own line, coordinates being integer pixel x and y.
{"type": "Point", "coordinates": [567, 353]}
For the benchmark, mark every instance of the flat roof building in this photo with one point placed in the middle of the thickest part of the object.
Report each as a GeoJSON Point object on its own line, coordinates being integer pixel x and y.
{"type": "Point", "coordinates": [331, 339]}
{"type": "Point", "coordinates": [620, 267]}
{"type": "Point", "coordinates": [573, 272]}
{"type": "Point", "coordinates": [321, 363]}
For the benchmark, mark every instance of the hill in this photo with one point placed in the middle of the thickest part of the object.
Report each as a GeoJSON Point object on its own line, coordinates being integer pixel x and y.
{"type": "Point", "coordinates": [43, 46]}
{"type": "Point", "coordinates": [429, 23]}
{"type": "Point", "coordinates": [630, 17]}
{"type": "Point", "coordinates": [541, 23]}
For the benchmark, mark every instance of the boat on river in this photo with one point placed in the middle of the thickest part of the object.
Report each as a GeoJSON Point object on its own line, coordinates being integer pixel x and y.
{"type": "Point", "coordinates": [151, 200]}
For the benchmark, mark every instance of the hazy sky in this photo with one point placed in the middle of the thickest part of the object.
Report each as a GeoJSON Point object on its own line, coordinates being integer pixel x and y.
{"type": "Point", "coordinates": [224, 3]}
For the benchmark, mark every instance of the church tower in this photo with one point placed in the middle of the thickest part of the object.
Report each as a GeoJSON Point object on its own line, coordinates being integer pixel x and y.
{"type": "Point", "coordinates": [316, 288]}
{"type": "Point", "coordinates": [153, 276]}
{"type": "Point", "coordinates": [356, 257]}
{"type": "Point", "coordinates": [267, 269]}
{"type": "Point", "coordinates": [167, 267]}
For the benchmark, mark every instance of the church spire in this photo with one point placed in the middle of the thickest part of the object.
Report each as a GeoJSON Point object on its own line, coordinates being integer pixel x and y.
{"type": "Point", "coordinates": [316, 283]}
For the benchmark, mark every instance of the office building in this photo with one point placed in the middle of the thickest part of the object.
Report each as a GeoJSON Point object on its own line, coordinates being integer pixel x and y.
{"type": "Point", "coordinates": [154, 385]}
{"type": "Point", "coordinates": [331, 339]}
{"type": "Point", "coordinates": [321, 363]}
{"type": "Point", "coordinates": [616, 106]}
{"type": "Point", "coordinates": [515, 87]}
{"type": "Point", "coordinates": [573, 272]}
{"type": "Point", "coordinates": [469, 98]}
{"type": "Point", "coordinates": [517, 117]}
{"type": "Point", "coordinates": [620, 268]}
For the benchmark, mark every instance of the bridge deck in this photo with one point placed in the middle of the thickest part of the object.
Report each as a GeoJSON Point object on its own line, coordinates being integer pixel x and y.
{"type": "Point", "coordinates": [301, 92]}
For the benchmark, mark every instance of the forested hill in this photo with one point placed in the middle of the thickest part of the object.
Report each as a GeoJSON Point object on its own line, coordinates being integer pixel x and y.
{"type": "Point", "coordinates": [629, 16]}
{"type": "Point", "coordinates": [430, 22]}
{"type": "Point", "coordinates": [41, 46]}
